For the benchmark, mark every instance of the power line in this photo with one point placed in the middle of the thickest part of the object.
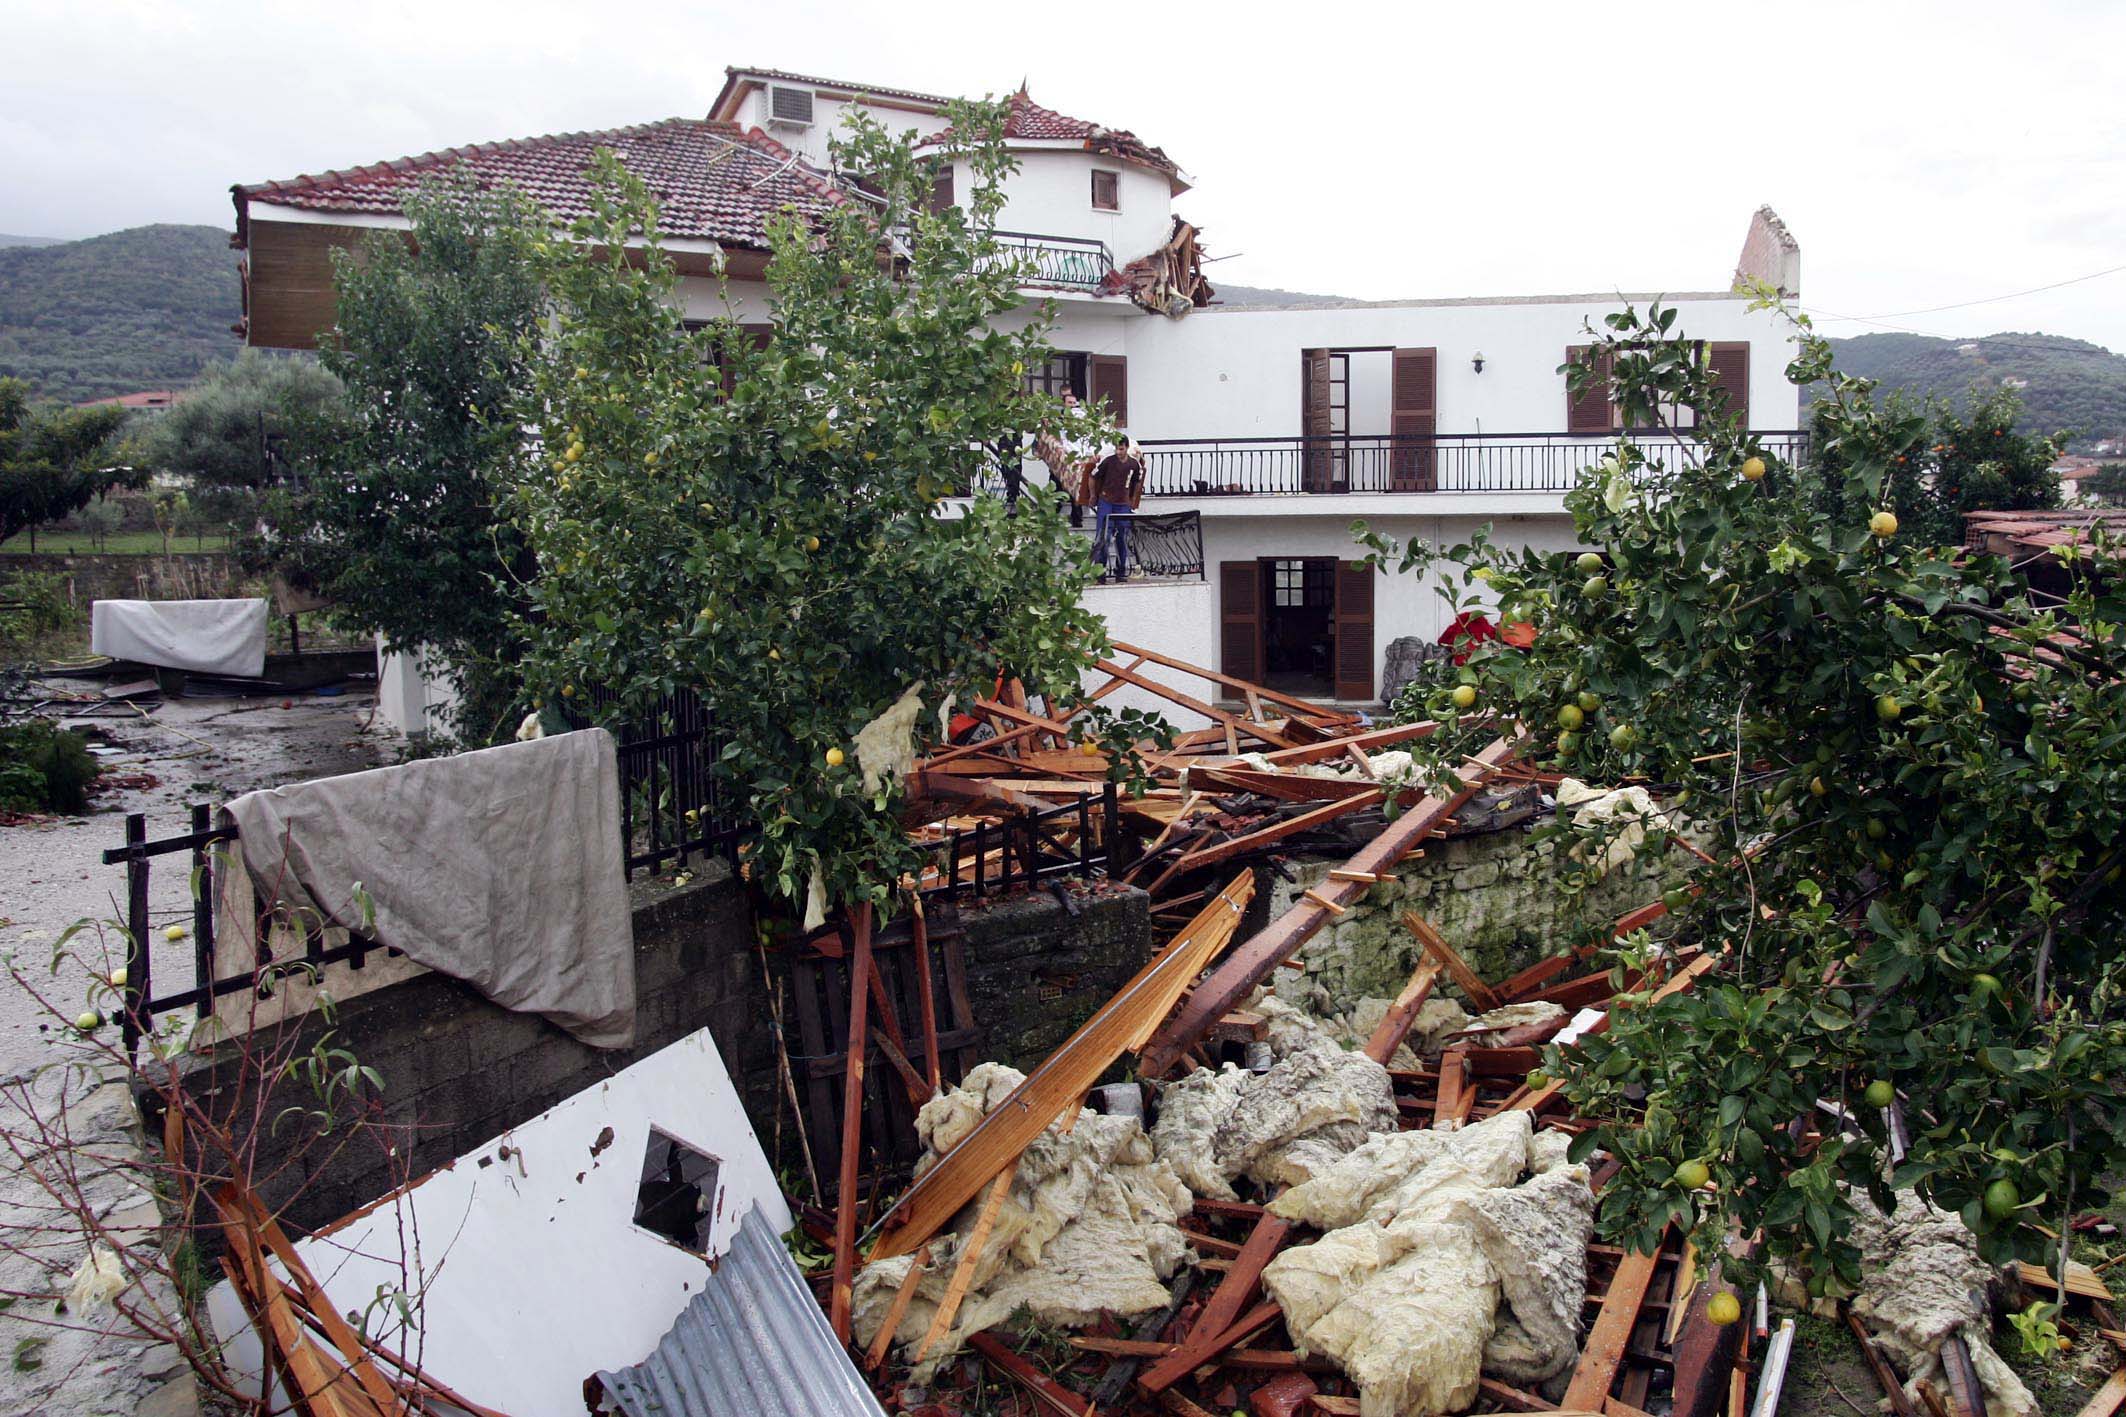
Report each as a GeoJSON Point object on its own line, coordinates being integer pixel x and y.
{"type": "Point", "coordinates": [1984, 300]}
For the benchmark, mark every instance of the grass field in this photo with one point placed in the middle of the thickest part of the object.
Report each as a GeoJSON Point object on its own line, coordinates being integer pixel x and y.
{"type": "Point", "coordinates": [118, 543]}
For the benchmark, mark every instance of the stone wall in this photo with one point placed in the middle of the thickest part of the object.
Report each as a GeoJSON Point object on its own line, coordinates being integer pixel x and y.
{"type": "Point", "coordinates": [184, 575]}
{"type": "Point", "coordinates": [1037, 968]}
{"type": "Point", "coordinates": [1494, 896]}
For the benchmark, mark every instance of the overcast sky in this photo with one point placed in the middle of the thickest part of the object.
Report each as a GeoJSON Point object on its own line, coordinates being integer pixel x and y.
{"type": "Point", "coordinates": [1925, 155]}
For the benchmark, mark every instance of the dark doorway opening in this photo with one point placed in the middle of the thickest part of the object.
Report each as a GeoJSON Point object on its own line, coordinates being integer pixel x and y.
{"type": "Point", "coordinates": [1299, 607]}
{"type": "Point", "coordinates": [677, 1196]}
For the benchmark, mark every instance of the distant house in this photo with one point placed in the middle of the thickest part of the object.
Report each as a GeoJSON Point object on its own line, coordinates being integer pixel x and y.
{"type": "Point", "coordinates": [1277, 424]}
{"type": "Point", "coordinates": [146, 401]}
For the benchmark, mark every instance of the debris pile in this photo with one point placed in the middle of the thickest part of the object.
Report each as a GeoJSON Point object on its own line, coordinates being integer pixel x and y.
{"type": "Point", "coordinates": [1923, 1287]}
{"type": "Point", "coordinates": [1087, 1225]}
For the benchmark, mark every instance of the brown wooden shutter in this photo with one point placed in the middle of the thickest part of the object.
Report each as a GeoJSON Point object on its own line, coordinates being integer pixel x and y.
{"type": "Point", "coordinates": [1110, 382]}
{"type": "Point", "coordinates": [1240, 620]}
{"type": "Point", "coordinates": [1316, 471]}
{"type": "Point", "coordinates": [1729, 364]}
{"type": "Point", "coordinates": [941, 188]}
{"type": "Point", "coordinates": [1414, 467]}
{"type": "Point", "coordinates": [1107, 191]}
{"type": "Point", "coordinates": [1354, 631]}
{"type": "Point", "coordinates": [1590, 412]}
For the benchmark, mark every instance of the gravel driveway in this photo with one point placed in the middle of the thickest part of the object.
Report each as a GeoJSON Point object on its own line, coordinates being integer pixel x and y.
{"type": "Point", "coordinates": [52, 874]}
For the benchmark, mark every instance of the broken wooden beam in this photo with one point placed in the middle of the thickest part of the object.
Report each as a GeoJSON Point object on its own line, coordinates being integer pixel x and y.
{"type": "Point", "coordinates": [1062, 1078]}
{"type": "Point", "coordinates": [1253, 959]}
{"type": "Point", "coordinates": [1611, 1334]}
{"type": "Point", "coordinates": [1395, 1023]}
{"type": "Point", "coordinates": [1226, 1301]}
{"type": "Point", "coordinates": [1049, 1393]}
{"type": "Point", "coordinates": [852, 1123]}
{"type": "Point", "coordinates": [1481, 996]}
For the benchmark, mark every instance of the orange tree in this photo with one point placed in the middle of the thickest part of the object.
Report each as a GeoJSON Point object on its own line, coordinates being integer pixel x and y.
{"type": "Point", "coordinates": [768, 525]}
{"type": "Point", "coordinates": [1910, 767]}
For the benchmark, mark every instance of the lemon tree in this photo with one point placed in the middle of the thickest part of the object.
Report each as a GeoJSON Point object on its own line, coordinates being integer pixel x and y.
{"type": "Point", "coordinates": [768, 524]}
{"type": "Point", "coordinates": [1909, 766]}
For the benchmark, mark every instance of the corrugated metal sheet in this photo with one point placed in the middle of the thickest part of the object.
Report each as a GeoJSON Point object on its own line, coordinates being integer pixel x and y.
{"type": "Point", "coordinates": [754, 1341]}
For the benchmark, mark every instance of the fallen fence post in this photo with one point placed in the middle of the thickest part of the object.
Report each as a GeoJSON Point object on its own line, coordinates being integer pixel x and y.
{"type": "Point", "coordinates": [852, 1124]}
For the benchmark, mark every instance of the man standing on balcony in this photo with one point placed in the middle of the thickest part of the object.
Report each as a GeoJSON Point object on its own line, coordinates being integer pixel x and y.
{"type": "Point", "coordinates": [1118, 483]}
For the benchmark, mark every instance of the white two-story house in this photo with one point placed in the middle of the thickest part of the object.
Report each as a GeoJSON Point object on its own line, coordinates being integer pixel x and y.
{"type": "Point", "coordinates": [1268, 425]}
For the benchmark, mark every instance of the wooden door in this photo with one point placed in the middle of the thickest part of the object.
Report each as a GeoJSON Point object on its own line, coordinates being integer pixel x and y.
{"type": "Point", "coordinates": [1414, 420]}
{"type": "Point", "coordinates": [1354, 631]}
{"type": "Point", "coordinates": [1240, 620]}
{"type": "Point", "coordinates": [1729, 364]}
{"type": "Point", "coordinates": [1317, 473]}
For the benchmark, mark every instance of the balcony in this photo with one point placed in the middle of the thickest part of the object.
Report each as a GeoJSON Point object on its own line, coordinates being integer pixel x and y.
{"type": "Point", "coordinates": [1397, 463]}
{"type": "Point", "coordinates": [1066, 262]}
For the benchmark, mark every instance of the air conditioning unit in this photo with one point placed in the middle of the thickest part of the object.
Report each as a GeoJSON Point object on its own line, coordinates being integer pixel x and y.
{"type": "Point", "coordinates": [788, 107]}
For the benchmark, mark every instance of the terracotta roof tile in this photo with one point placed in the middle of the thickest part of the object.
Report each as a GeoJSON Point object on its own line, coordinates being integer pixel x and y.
{"type": "Point", "coordinates": [711, 180]}
{"type": "Point", "coordinates": [1030, 121]}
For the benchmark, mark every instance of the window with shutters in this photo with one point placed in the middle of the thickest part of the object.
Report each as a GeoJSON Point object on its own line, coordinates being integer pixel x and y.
{"type": "Point", "coordinates": [1110, 385]}
{"type": "Point", "coordinates": [1107, 191]}
{"type": "Point", "coordinates": [1729, 364]}
{"type": "Point", "coordinates": [1590, 411]}
{"type": "Point", "coordinates": [1060, 374]}
{"type": "Point", "coordinates": [1414, 420]}
{"type": "Point", "coordinates": [941, 198]}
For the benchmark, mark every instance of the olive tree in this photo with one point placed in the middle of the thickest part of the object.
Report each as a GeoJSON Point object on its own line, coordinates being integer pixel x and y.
{"type": "Point", "coordinates": [768, 525]}
{"type": "Point", "coordinates": [1908, 769]}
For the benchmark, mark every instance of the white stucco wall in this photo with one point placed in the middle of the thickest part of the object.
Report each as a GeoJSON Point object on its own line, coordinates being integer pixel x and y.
{"type": "Point", "coordinates": [1177, 619]}
{"type": "Point", "coordinates": [828, 121]}
{"type": "Point", "coordinates": [1051, 195]}
{"type": "Point", "coordinates": [1236, 373]}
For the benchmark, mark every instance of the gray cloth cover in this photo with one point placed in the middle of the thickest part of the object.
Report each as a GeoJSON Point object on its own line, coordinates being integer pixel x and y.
{"type": "Point", "coordinates": [204, 636]}
{"type": "Point", "coordinates": [500, 867]}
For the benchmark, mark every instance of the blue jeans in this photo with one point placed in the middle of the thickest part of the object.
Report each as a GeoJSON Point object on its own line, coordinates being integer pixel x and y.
{"type": "Point", "coordinates": [1112, 519]}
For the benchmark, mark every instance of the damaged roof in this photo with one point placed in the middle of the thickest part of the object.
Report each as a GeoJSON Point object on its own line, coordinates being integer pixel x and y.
{"type": "Point", "coordinates": [1027, 121]}
{"type": "Point", "coordinates": [753, 1340]}
{"type": "Point", "coordinates": [713, 181]}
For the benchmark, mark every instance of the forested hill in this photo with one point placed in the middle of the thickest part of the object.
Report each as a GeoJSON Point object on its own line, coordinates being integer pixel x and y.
{"type": "Point", "coordinates": [139, 309]}
{"type": "Point", "coordinates": [2071, 384]}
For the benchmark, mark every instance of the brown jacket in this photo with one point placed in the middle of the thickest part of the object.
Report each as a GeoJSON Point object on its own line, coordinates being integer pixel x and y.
{"type": "Point", "coordinates": [1120, 479]}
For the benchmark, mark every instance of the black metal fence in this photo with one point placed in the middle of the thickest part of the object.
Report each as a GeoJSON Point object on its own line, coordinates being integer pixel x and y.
{"type": "Point", "coordinates": [1073, 262]}
{"type": "Point", "coordinates": [1081, 838]}
{"type": "Point", "coordinates": [671, 809]}
{"type": "Point", "coordinates": [1436, 462]}
{"type": "Point", "coordinates": [1167, 545]}
{"type": "Point", "coordinates": [141, 1003]}
{"type": "Point", "coordinates": [671, 805]}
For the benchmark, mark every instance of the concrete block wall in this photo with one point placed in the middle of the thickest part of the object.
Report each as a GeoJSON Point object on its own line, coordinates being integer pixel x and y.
{"type": "Point", "coordinates": [458, 1070]}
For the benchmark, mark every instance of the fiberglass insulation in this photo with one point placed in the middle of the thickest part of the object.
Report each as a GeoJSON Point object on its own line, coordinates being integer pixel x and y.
{"type": "Point", "coordinates": [1427, 1232]}
{"type": "Point", "coordinates": [1921, 1280]}
{"type": "Point", "coordinates": [1315, 1103]}
{"type": "Point", "coordinates": [1086, 1227]}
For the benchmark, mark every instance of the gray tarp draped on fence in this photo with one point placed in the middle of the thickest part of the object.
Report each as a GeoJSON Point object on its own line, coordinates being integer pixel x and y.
{"type": "Point", "coordinates": [499, 867]}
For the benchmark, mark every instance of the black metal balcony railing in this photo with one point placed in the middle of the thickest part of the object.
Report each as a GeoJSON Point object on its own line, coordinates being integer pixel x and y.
{"type": "Point", "coordinates": [1162, 546]}
{"type": "Point", "coordinates": [1442, 462]}
{"type": "Point", "coordinates": [1073, 262]}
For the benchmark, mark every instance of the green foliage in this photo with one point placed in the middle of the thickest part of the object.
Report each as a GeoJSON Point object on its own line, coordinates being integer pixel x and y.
{"type": "Point", "coordinates": [2107, 484]}
{"type": "Point", "coordinates": [52, 460]}
{"type": "Point", "coordinates": [1940, 461]}
{"type": "Point", "coordinates": [147, 308]}
{"type": "Point", "coordinates": [2034, 1325]}
{"type": "Point", "coordinates": [393, 515]}
{"type": "Point", "coordinates": [780, 548]}
{"type": "Point", "coordinates": [2069, 384]}
{"type": "Point", "coordinates": [229, 437]}
{"type": "Point", "coordinates": [43, 768]}
{"type": "Point", "coordinates": [1913, 783]}
{"type": "Point", "coordinates": [32, 604]}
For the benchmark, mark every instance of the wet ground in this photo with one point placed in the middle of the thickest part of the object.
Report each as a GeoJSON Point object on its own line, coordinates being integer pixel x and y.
{"type": "Point", "coordinates": [51, 875]}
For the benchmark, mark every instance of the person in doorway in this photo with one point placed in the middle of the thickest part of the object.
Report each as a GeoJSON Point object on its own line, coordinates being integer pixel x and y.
{"type": "Point", "coordinates": [1118, 484]}
{"type": "Point", "coordinates": [1069, 467]}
